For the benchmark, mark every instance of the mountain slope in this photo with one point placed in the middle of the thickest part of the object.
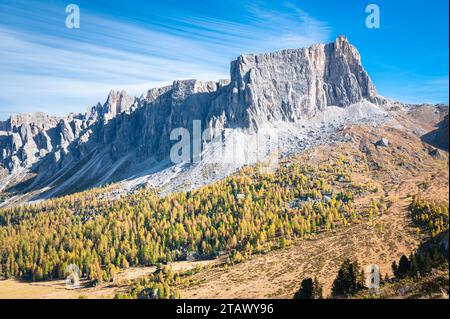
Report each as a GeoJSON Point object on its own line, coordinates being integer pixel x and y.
{"type": "Point", "coordinates": [295, 98]}
{"type": "Point", "coordinates": [439, 137]}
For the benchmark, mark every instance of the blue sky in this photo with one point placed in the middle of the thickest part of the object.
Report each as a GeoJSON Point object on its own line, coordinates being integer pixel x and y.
{"type": "Point", "coordinates": [136, 45]}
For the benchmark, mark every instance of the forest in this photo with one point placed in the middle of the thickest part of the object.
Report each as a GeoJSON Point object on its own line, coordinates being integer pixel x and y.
{"type": "Point", "coordinates": [432, 256]}
{"type": "Point", "coordinates": [247, 213]}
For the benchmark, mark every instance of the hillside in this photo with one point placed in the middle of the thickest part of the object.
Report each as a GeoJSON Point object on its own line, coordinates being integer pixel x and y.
{"type": "Point", "coordinates": [128, 139]}
{"type": "Point", "coordinates": [379, 241]}
{"type": "Point", "coordinates": [341, 173]}
{"type": "Point", "coordinates": [359, 179]}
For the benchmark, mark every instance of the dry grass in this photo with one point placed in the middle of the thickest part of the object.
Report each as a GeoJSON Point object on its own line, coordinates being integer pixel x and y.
{"type": "Point", "coordinates": [278, 274]}
{"type": "Point", "coordinates": [397, 171]}
{"type": "Point", "coordinates": [57, 289]}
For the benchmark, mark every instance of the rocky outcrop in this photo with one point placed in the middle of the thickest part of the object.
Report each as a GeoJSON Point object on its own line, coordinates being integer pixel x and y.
{"type": "Point", "coordinates": [117, 103]}
{"type": "Point", "coordinates": [384, 142]}
{"type": "Point", "coordinates": [23, 137]}
{"type": "Point", "coordinates": [292, 84]}
{"type": "Point", "coordinates": [117, 139]}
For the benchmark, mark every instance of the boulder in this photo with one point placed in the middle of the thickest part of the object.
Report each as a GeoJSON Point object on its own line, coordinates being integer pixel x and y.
{"type": "Point", "coordinates": [384, 142]}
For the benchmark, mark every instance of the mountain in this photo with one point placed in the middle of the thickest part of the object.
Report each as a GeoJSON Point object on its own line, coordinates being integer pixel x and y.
{"type": "Point", "coordinates": [306, 166]}
{"type": "Point", "coordinates": [299, 95]}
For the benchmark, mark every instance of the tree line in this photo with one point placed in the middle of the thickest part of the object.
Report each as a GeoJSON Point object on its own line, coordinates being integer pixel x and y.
{"type": "Point", "coordinates": [247, 213]}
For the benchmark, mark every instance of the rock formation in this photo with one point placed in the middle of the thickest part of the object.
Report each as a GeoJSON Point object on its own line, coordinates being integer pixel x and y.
{"type": "Point", "coordinates": [112, 141]}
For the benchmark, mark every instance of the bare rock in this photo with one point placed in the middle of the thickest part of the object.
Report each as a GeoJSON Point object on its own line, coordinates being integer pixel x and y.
{"type": "Point", "coordinates": [112, 140]}
{"type": "Point", "coordinates": [384, 142]}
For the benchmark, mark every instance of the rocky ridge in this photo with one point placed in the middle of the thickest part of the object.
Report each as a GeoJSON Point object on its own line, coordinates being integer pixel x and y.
{"type": "Point", "coordinates": [128, 137]}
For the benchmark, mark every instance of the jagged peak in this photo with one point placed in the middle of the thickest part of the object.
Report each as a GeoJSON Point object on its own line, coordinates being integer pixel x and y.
{"type": "Point", "coordinates": [287, 85]}
{"type": "Point", "coordinates": [341, 39]}
{"type": "Point", "coordinates": [31, 118]}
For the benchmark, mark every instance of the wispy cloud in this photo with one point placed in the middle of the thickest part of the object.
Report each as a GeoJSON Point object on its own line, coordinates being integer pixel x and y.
{"type": "Point", "coordinates": [411, 87]}
{"type": "Point", "coordinates": [425, 91]}
{"type": "Point", "coordinates": [46, 67]}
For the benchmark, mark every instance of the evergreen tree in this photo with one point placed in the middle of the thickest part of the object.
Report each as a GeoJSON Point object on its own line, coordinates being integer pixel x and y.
{"type": "Point", "coordinates": [306, 290]}
{"type": "Point", "coordinates": [403, 267]}
{"type": "Point", "coordinates": [413, 268]}
{"type": "Point", "coordinates": [318, 290]}
{"type": "Point", "coordinates": [348, 280]}
{"type": "Point", "coordinates": [309, 289]}
{"type": "Point", "coordinates": [395, 268]}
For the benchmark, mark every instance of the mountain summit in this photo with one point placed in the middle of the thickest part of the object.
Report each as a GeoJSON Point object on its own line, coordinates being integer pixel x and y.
{"type": "Point", "coordinates": [292, 84]}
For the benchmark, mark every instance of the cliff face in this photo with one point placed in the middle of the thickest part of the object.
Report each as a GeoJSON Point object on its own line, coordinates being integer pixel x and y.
{"type": "Point", "coordinates": [292, 84]}
{"type": "Point", "coordinates": [112, 141]}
